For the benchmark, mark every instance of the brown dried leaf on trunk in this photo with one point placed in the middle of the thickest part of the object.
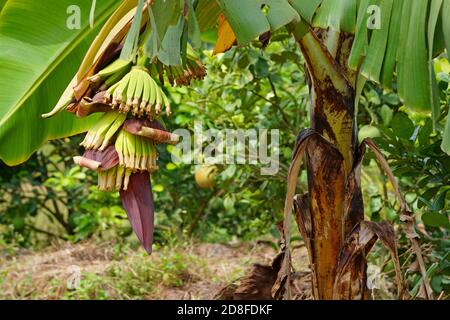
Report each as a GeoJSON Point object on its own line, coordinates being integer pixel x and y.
{"type": "Point", "coordinates": [304, 223]}
{"type": "Point", "coordinates": [353, 214]}
{"type": "Point", "coordinates": [303, 218]}
{"type": "Point", "coordinates": [354, 205]}
{"type": "Point", "coordinates": [283, 279]}
{"type": "Point", "coordinates": [283, 264]}
{"type": "Point", "coordinates": [406, 215]}
{"type": "Point", "coordinates": [350, 282]}
{"type": "Point", "coordinates": [138, 203]}
{"type": "Point", "coordinates": [325, 164]}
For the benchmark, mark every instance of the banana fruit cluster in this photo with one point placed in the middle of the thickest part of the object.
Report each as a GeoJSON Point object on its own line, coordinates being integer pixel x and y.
{"type": "Point", "coordinates": [136, 153]}
{"type": "Point", "coordinates": [130, 100]}
{"type": "Point", "coordinates": [139, 94]}
{"type": "Point", "coordinates": [192, 70]}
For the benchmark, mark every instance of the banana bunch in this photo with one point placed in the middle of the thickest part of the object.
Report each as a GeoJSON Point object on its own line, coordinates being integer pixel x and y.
{"type": "Point", "coordinates": [116, 178]}
{"type": "Point", "coordinates": [137, 93]}
{"type": "Point", "coordinates": [102, 133]}
{"type": "Point", "coordinates": [192, 70]}
{"type": "Point", "coordinates": [136, 153]}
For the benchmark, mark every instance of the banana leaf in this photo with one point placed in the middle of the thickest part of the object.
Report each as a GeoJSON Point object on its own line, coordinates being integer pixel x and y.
{"type": "Point", "coordinates": [38, 51]}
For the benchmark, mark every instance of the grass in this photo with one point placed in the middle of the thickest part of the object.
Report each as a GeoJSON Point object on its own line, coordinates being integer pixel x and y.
{"type": "Point", "coordinates": [195, 271]}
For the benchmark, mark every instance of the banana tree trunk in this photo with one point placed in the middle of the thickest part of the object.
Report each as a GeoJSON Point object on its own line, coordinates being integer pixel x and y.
{"type": "Point", "coordinates": [333, 205]}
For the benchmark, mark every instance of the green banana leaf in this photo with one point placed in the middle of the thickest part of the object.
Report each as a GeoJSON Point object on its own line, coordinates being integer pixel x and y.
{"type": "Point", "coordinates": [39, 55]}
{"type": "Point", "coordinates": [249, 21]}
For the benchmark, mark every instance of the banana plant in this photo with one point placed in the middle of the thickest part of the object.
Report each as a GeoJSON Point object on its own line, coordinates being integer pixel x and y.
{"type": "Point", "coordinates": [119, 97]}
{"type": "Point", "coordinates": [345, 43]}
{"type": "Point", "coordinates": [344, 46]}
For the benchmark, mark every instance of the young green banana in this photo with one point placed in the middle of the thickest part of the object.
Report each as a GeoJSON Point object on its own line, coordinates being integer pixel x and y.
{"type": "Point", "coordinates": [120, 93]}
{"type": "Point", "coordinates": [126, 180]}
{"type": "Point", "coordinates": [119, 146]}
{"type": "Point", "coordinates": [138, 92]}
{"type": "Point", "coordinates": [167, 104]}
{"type": "Point", "coordinates": [159, 100]}
{"type": "Point", "coordinates": [119, 177]}
{"type": "Point", "coordinates": [115, 67]}
{"type": "Point", "coordinates": [134, 76]}
{"type": "Point", "coordinates": [113, 130]}
{"type": "Point", "coordinates": [138, 152]}
{"type": "Point", "coordinates": [131, 146]}
{"type": "Point", "coordinates": [152, 96]}
{"type": "Point", "coordinates": [97, 132]}
{"type": "Point", "coordinates": [145, 153]}
{"type": "Point", "coordinates": [146, 93]}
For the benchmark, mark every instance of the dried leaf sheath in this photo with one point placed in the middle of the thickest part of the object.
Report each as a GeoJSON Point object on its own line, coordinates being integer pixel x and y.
{"type": "Point", "coordinates": [294, 170]}
{"type": "Point", "coordinates": [326, 184]}
{"type": "Point", "coordinates": [332, 98]}
{"type": "Point", "coordinates": [351, 274]}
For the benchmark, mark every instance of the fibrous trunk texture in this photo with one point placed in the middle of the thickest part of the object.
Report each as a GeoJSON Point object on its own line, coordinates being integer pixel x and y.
{"type": "Point", "coordinates": [333, 205]}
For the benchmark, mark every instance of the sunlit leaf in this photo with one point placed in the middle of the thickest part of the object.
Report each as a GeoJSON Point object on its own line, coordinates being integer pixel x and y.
{"type": "Point", "coordinates": [226, 37]}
